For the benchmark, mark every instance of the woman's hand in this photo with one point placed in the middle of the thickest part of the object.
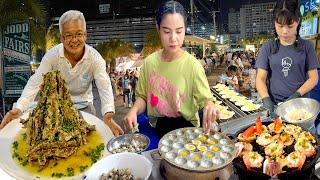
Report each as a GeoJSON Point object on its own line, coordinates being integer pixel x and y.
{"type": "Point", "coordinates": [130, 120]}
{"type": "Point", "coordinates": [11, 115]}
{"type": "Point", "coordinates": [210, 114]}
{"type": "Point", "coordinates": [115, 128]}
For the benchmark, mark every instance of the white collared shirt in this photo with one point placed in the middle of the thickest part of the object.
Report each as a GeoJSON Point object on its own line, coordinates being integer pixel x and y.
{"type": "Point", "coordinates": [78, 79]}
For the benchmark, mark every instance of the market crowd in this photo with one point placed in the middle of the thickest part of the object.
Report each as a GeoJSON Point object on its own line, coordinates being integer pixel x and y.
{"type": "Point", "coordinates": [124, 84]}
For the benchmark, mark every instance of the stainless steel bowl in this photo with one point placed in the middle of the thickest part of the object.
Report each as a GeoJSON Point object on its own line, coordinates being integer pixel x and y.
{"type": "Point", "coordinates": [310, 105]}
{"type": "Point", "coordinates": [136, 143]}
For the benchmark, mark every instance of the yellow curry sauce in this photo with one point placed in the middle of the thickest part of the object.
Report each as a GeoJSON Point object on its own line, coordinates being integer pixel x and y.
{"type": "Point", "coordinates": [79, 161]}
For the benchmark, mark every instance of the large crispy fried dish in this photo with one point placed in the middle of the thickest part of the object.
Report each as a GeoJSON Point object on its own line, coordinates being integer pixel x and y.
{"type": "Point", "coordinates": [54, 128]}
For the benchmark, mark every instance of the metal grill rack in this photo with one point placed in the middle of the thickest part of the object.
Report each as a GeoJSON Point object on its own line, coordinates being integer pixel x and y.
{"type": "Point", "coordinates": [240, 118]}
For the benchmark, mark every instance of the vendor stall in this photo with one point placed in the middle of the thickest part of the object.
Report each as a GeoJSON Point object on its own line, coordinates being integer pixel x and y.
{"type": "Point", "coordinates": [241, 118]}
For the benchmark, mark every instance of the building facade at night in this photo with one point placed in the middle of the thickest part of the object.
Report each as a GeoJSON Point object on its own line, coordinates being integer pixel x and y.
{"type": "Point", "coordinates": [104, 9]}
{"type": "Point", "coordinates": [126, 29]}
{"type": "Point", "coordinates": [130, 20]}
{"type": "Point", "coordinates": [234, 21]}
{"type": "Point", "coordinates": [256, 19]}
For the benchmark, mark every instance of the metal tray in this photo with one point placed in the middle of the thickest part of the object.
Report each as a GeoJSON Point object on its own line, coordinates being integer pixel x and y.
{"type": "Point", "coordinates": [135, 143]}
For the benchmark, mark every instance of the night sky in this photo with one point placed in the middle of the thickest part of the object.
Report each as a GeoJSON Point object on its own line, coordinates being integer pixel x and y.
{"type": "Point", "coordinates": [57, 7]}
{"type": "Point", "coordinates": [228, 4]}
{"type": "Point", "coordinates": [236, 4]}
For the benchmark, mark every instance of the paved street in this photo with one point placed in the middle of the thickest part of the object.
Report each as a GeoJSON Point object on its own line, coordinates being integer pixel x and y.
{"type": "Point", "coordinates": [121, 111]}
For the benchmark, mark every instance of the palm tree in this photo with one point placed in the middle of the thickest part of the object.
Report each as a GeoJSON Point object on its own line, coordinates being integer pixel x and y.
{"type": "Point", "coordinates": [151, 43]}
{"type": "Point", "coordinates": [21, 10]}
{"type": "Point", "coordinates": [257, 40]}
{"type": "Point", "coordinates": [52, 37]}
{"type": "Point", "coordinates": [114, 48]}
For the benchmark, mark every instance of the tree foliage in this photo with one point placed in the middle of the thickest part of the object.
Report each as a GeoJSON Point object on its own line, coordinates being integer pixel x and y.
{"type": "Point", "coordinates": [52, 37]}
{"type": "Point", "coordinates": [21, 10]}
{"type": "Point", "coordinates": [38, 37]}
{"type": "Point", "coordinates": [151, 43]}
{"type": "Point", "coordinates": [257, 40]}
{"type": "Point", "coordinates": [114, 48]}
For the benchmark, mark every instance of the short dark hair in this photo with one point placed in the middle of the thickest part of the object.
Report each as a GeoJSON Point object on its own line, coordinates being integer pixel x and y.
{"type": "Point", "coordinates": [286, 12]}
{"type": "Point", "coordinates": [232, 68]}
{"type": "Point", "coordinates": [170, 7]}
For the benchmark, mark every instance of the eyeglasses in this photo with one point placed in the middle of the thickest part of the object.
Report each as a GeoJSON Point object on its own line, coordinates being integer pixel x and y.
{"type": "Point", "coordinates": [69, 37]}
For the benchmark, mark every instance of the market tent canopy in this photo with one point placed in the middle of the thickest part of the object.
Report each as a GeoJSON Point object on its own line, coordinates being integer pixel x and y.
{"type": "Point", "coordinates": [125, 65]}
{"type": "Point", "coordinates": [194, 40]}
{"type": "Point", "coordinates": [137, 64]}
{"type": "Point", "coordinates": [128, 65]}
{"type": "Point", "coordinates": [197, 41]}
{"type": "Point", "coordinates": [120, 66]}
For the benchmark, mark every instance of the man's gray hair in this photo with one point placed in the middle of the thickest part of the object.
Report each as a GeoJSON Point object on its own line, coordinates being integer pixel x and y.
{"type": "Point", "coordinates": [70, 16]}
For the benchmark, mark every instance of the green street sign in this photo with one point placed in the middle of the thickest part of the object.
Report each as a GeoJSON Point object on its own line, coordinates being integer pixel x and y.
{"type": "Point", "coordinates": [16, 58]}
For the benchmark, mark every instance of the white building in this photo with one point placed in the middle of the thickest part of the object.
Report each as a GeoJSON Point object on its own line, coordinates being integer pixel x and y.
{"type": "Point", "coordinates": [256, 19]}
{"type": "Point", "coordinates": [129, 29]}
{"type": "Point", "coordinates": [234, 26]}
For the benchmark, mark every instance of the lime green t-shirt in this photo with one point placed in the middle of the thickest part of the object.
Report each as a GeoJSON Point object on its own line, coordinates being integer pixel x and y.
{"type": "Point", "coordinates": [174, 89]}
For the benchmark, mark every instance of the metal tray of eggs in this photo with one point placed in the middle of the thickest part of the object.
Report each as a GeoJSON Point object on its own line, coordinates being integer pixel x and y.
{"type": "Point", "coordinates": [192, 149]}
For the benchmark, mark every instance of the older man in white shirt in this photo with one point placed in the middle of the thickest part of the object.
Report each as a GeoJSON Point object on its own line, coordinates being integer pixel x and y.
{"type": "Point", "coordinates": [79, 64]}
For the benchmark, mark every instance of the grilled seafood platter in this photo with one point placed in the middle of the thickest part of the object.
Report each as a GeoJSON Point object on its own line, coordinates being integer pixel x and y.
{"type": "Point", "coordinates": [54, 140]}
{"type": "Point", "coordinates": [275, 147]}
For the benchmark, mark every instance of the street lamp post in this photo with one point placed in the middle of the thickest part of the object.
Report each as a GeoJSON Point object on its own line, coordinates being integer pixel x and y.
{"type": "Point", "coordinates": [192, 17]}
{"type": "Point", "coordinates": [203, 30]}
{"type": "Point", "coordinates": [214, 22]}
{"type": "Point", "coordinates": [203, 45]}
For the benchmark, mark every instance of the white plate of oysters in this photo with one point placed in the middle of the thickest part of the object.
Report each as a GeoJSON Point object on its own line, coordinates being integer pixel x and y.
{"type": "Point", "coordinates": [109, 167]}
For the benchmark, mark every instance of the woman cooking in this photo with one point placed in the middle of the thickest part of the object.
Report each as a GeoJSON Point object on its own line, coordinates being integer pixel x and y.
{"type": "Point", "coordinates": [172, 84]}
{"type": "Point", "coordinates": [286, 66]}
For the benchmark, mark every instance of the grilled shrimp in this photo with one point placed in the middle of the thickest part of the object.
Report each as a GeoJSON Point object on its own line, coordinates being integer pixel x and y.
{"type": "Point", "coordinates": [248, 135]}
{"type": "Point", "coordinates": [286, 139]}
{"type": "Point", "coordinates": [292, 130]}
{"type": "Point", "coordinates": [243, 147]}
{"type": "Point", "coordinates": [264, 139]}
{"type": "Point", "coordinates": [274, 149]}
{"type": "Point", "coordinates": [296, 160]}
{"type": "Point", "coordinates": [305, 147]}
{"type": "Point", "coordinates": [252, 159]}
{"type": "Point", "coordinates": [276, 126]}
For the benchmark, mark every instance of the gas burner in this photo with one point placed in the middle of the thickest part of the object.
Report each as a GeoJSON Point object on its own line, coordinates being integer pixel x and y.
{"type": "Point", "coordinates": [163, 170]}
